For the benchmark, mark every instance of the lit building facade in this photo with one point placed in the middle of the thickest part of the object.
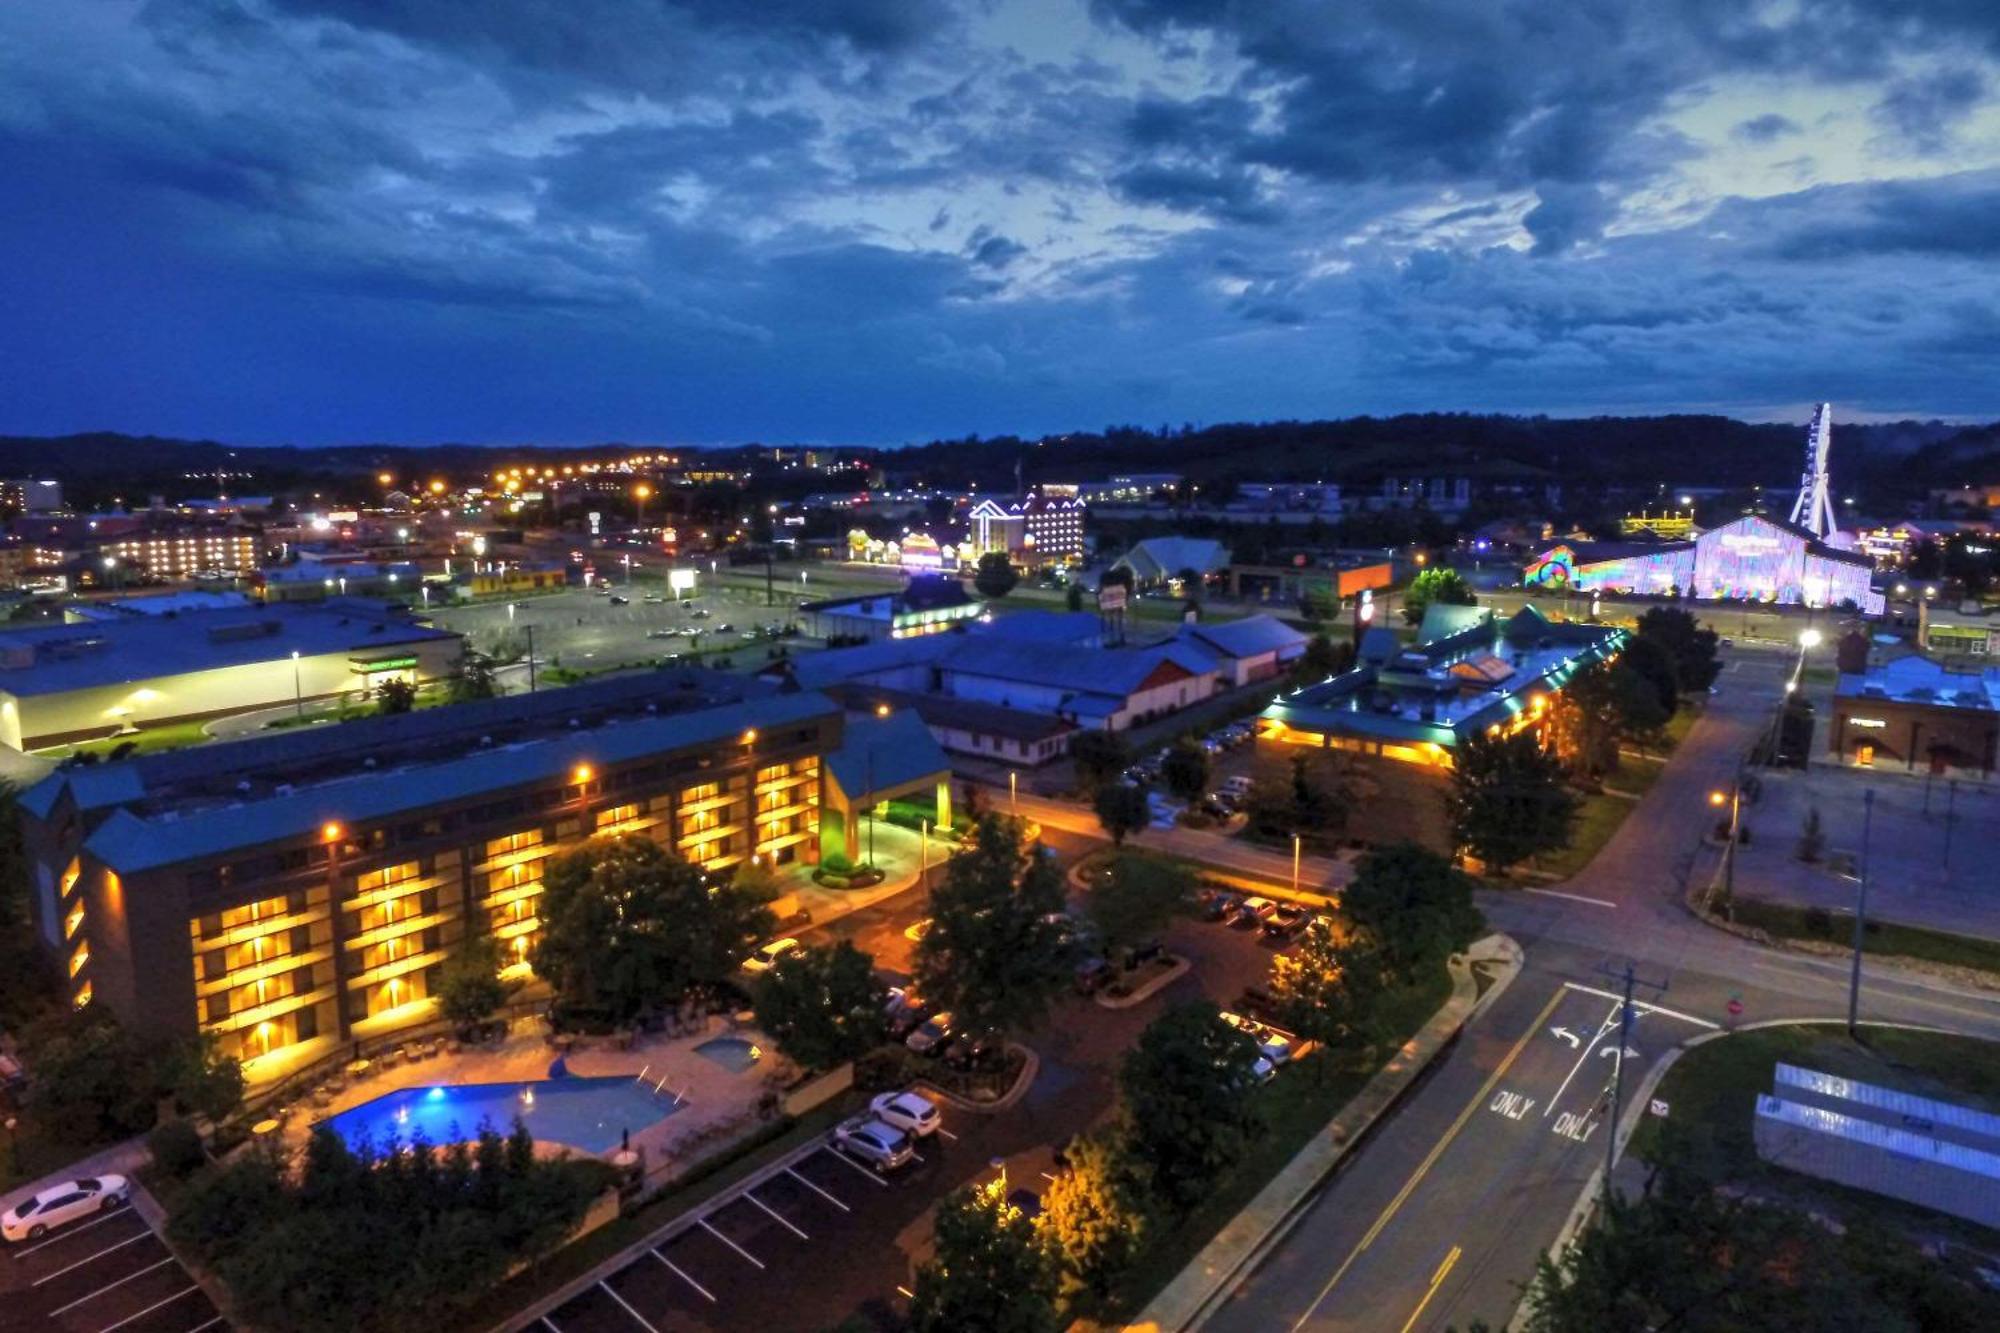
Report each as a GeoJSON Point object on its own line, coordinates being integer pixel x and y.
{"type": "Point", "coordinates": [290, 894]}
{"type": "Point", "coordinates": [182, 553]}
{"type": "Point", "coordinates": [1754, 558]}
{"type": "Point", "coordinates": [1041, 530]}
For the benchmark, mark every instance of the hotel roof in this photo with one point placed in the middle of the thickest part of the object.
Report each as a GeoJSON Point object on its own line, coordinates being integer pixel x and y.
{"type": "Point", "coordinates": [891, 751]}
{"type": "Point", "coordinates": [1919, 680]}
{"type": "Point", "coordinates": [56, 659]}
{"type": "Point", "coordinates": [130, 843]}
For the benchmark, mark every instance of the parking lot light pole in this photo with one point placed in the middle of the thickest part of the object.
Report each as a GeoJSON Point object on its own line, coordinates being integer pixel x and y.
{"type": "Point", "coordinates": [1860, 917]}
{"type": "Point", "coordinates": [1295, 863]}
{"type": "Point", "coordinates": [298, 690]}
{"type": "Point", "coordinates": [1013, 791]}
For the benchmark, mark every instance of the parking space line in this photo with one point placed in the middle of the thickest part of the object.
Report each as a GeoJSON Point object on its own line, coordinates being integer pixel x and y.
{"type": "Point", "coordinates": [198, 1328]}
{"type": "Point", "coordinates": [626, 1306]}
{"type": "Point", "coordinates": [709, 1227]}
{"type": "Point", "coordinates": [775, 1217]}
{"type": "Point", "coordinates": [553, 1328]}
{"type": "Point", "coordinates": [119, 1283]}
{"type": "Point", "coordinates": [113, 1216]}
{"type": "Point", "coordinates": [947, 1133]}
{"type": "Point", "coordinates": [863, 1171]}
{"type": "Point", "coordinates": [50, 1277]}
{"type": "Point", "coordinates": [681, 1275]}
{"type": "Point", "coordinates": [817, 1190]}
{"type": "Point", "coordinates": [149, 1309]}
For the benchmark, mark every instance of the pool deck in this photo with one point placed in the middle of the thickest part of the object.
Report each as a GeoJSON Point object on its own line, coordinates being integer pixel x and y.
{"type": "Point", "coordinates": [714, 1097]}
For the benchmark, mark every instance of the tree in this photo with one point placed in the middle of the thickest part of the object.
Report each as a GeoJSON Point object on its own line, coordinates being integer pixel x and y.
{"type": "Point", "coordinates": [990, 1269]}
{"type": "Point", "coordinates": [1185, 770]}
{"type": "Point", "coordinates": [1636, 703]}
{"type": "Point", "coordinates": [201, 1079]}
{"type": "Point", "coordinates": [91, 1081]}
{"type": "Point", "coordinates": [1327, 989]}
{"type": "Point", "coordinates": [1269, 809]}
{"type": "Point", "coordinates": [1121, 810]}
{"type": "Point", "coordinates": [1099, 757]}
{"type": "Point", "coordinates": [1691, 648]}
{"type": "Point", "coordinates": [1316, 808]}
{"type": "Point", "coordinates": [628, 926]}
{"type": "Point", "coordinates": [1812, 840]}
{"type": "Point", "coordinates": [1507, 800]}
{"type": "Point", "coordinates": [995, 576]}
{"type": "Point", "coordinates": [1138, 899]}
{"type": "Point", "coordinates": [1183, 1089]}
{"type": "Point", "coordinates": [473, 680]}
{"type": "Point", "coordinates": [1415, 904]}
{"type": "Point", "coordinates": [1094, 1214]}
{"type": "Point", "coordinates": [1073, 597]}
{"type": "Point", "coordinates": [1584, 722]}
{"type": "Point", "coordinates": [1320, 660]}
{"type": "Point", "coordinates": [395, 695]}
{"type": "Point", "coordinates": [1649, 661]}
{"type": "Point", "coordinates": [469, 989]}
{"type": "Point", "coordinates": [1436, 584]}
{"type": "Point", "coordinates": [823, 1006]}
{"type": "Point", "coordinates": [997, 951]}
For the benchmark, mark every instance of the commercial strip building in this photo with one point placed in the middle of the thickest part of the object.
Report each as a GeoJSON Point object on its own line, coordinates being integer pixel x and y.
{"type": "Point", "coordinates": [927, 604]}
{"type": "Point", "coordinates": [65, 683]}
{"type": "Point", "coordinates": [1915, 714]}
{"type": "Point", "coordinates": [1493, 677]}
{"type": "Point", "coordinates": [294, 892]}
{"type": "Point", "coordinates": [1755, 558]}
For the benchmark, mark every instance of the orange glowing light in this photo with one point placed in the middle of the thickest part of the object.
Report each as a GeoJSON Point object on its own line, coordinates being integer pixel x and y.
{"type": "Point", "coordinates": [583, 774]}
{"type": "Point", "coordinates": [750, 736]}
{"type": "Point", "coordinates": [330, 830]}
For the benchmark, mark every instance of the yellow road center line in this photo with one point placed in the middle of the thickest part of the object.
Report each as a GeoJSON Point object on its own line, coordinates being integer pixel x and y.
{"type": "Point", "coordinates": [1437, 1280]}
{"type": "Point", "coordinates": [1437, 1151]}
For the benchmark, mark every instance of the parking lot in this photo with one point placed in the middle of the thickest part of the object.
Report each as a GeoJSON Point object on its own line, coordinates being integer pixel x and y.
{"type": "Point", "coordinates": [819, 1222]}
{"type": "Point", "coordinates": [108, 1272]}
{"type": "Point", "coordinates": [584, 630]}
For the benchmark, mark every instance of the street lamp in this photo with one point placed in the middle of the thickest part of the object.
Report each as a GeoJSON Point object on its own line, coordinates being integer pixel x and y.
{"type": "Point", "coordinates": [1013, 792]}
{"type": "Point", "coordinates": [1735, 802]}
{"type": "Point", "coordinates": [298, 692]}
{"type": "Point", "coordinates": [1295, 863]}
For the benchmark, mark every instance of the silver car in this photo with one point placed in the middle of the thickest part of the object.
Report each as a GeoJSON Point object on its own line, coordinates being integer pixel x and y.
{"type": "Point", "coordinates": [875, 1142]}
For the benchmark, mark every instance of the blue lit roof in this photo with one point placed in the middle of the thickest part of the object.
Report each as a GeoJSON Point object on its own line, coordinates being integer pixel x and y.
{"type": "Point", "coordinates": [893, 750]}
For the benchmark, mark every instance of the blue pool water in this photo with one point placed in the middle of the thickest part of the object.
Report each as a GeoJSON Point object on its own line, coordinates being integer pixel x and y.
{"type": "Point", "coordinates": [586, 1113]}
{"type": "Point", "coordinates": [732, 1053]}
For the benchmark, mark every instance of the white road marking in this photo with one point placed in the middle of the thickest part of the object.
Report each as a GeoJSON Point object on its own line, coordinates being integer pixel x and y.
{"type": "Point", "coordinates": [111, 1216]}
{"type": "Point", "coordinates": [817, 1190]}
{"type": "Point", "coordinates": [553, 1326]}
{"type": "Point", "coordinates": [1642, 1006]}
{"type": "Point", "coordinates": [776, 1216]}
{"type": "Point", "coordinates": [947, 1133]}
{"type": "Point", "coordinates": [1572, 897]}
{"type": "Point", "coordinates": [1568, 1036]}
{"type": "Point", "coordinates": [681, 1275]}
{"type": "Point", "coordinates": [864, 1172]}
{"type": "Point", "coordinates": [709, 1227]}
{"type": "Point", "coordinates": [71, 1268]}
{"type": "Point", "coordinates": [1602, 1028]}
{"type": "Point", "coordinates": [149, 1309]}
{"type": "Point", "coordinates": [628, 1307]}
{"type": "Point", "coordinates": [218, 1319]}
{"type": "Point", "coordinates": [119, 1283]}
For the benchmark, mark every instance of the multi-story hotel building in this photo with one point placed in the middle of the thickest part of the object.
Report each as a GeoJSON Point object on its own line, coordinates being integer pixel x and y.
{"type": "Point", "coordinates": [181, 553]}
{"type": "Point", "coordinates": [291, 893]}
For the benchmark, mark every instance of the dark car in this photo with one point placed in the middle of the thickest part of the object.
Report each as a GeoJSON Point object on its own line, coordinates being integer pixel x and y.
{"type": "Point", "coordinates": [616, 600]}
{"type": "Point", "coordinates": [965, 1053]}
{"type": "Point", "coordinates": [1287, 922]}
{"type": "Point", "coordinates": [1220, 905]}
{"type": "Point", "coordinates": [905, 1012]}
{"type": "Point", "coordinates": [1093, 974]}
{"type": "Point", "coordinates": [1258, 1003]}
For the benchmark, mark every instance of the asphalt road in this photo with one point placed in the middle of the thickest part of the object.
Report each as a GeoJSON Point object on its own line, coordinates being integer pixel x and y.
{"type": "Point", "coordinates": [1440, 1218]}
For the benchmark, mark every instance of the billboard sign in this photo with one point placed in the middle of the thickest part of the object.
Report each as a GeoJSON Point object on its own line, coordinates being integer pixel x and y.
{"type": "Point", "coordinates": [1111, 597]}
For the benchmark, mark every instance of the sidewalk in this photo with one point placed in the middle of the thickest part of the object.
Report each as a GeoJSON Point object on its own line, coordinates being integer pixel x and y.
{"type": "Point", "coordinates": [1240, 1244]}
{"type": "Point", "coordinates": [897, 852]}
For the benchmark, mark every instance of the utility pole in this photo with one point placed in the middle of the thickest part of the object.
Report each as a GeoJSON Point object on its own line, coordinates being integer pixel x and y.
{"type": "Point", "coordinates": [1629, 979]}
{"type": "Point", "coordinates": [770, 580]}
{"type": "Point", "coordinates": [531, 658]}
{"type": "Point", "coordinates": [1860, 917]}
{"type": "Point", "coordinates": [1950, 818]}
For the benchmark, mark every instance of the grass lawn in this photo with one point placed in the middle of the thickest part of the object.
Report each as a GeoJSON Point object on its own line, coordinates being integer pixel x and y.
{"type": "Point", "coordinates": [172, 737]}
{"type": "Point", "coordinates": [1637, 776]}
{"type": "Point", "coordinates": [1297, 1105]}
{"type": "Point", "coordinates": [1885, 938]}
{"type": "Point", "coordinates": [1711, 1093]}
{"type": "Point", "coordinates": [1598, 817]}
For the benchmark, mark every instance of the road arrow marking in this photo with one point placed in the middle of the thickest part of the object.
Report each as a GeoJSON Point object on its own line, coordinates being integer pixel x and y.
{"type": "Point", "coordinates": [1568, 1036]}
{"type": "Point", "coordinates": [1630, 1054]}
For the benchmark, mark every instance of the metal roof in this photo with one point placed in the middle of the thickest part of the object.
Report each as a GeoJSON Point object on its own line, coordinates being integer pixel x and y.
{"type": "Point", "coordinates": [893, 751]}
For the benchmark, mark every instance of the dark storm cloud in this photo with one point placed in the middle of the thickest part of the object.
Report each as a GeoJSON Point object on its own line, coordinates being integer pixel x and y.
{"type": "Point", "coordinates": [1767, 128]}
{"type": "Point", "coordinates": [869, 219]}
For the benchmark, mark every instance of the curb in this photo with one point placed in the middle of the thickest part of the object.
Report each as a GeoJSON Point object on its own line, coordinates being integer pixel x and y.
{"type": "Point", "coordinates": [1031, 1065]}
{"type": "Point", "coordinates": [1146, 992]}
{"type": "Point", "coordinates": [1188, 1300]}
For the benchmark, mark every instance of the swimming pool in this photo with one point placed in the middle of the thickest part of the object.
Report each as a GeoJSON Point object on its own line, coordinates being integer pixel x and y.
{"type": "Point", "coordinates": [732, 1053]}
{"type": "Point", "coordinates": [586, 1113]}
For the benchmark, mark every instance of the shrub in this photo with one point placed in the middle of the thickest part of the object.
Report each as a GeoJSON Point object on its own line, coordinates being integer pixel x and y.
{"type": "Point", "coordinates": [1819, 922]}
{"type": "Point", "coordinates": [836, 863]}
{"type": "Point", "coordinates": [176, 1148]}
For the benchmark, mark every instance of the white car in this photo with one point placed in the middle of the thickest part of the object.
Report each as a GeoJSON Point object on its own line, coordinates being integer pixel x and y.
{"type": "Point", "coordinates": [910, 1112]}
{"type": "Point", "coordinates": [31, 1218]}
{"type": "Point", "coordinates": [882, 1146]}
{"type": "Point", "coordinates": [767, 957]}
{"type": "Point", "coordinates": [1272, 1044]}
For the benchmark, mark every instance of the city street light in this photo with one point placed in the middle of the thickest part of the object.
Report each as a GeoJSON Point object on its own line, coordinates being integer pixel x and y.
{"type": "Point", "coordinates": [1860, 915]}
{"type": "Point", "coordinates": [1295, 863]}
{"type": "Point", "coordinates": [1013, 792]}
{"type": "Point", "coordinates": [298, 692]}
{"type": "Point", "coordinates": [1735, 802]}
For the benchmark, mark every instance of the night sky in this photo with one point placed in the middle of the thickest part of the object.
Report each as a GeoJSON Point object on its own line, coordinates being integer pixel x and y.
{"type": "Point", "coordinates": [879, 221]}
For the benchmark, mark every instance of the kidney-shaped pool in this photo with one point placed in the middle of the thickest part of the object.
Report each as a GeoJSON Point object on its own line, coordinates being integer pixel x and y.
{"type": "Point", "coordinates": [585, 1113]}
